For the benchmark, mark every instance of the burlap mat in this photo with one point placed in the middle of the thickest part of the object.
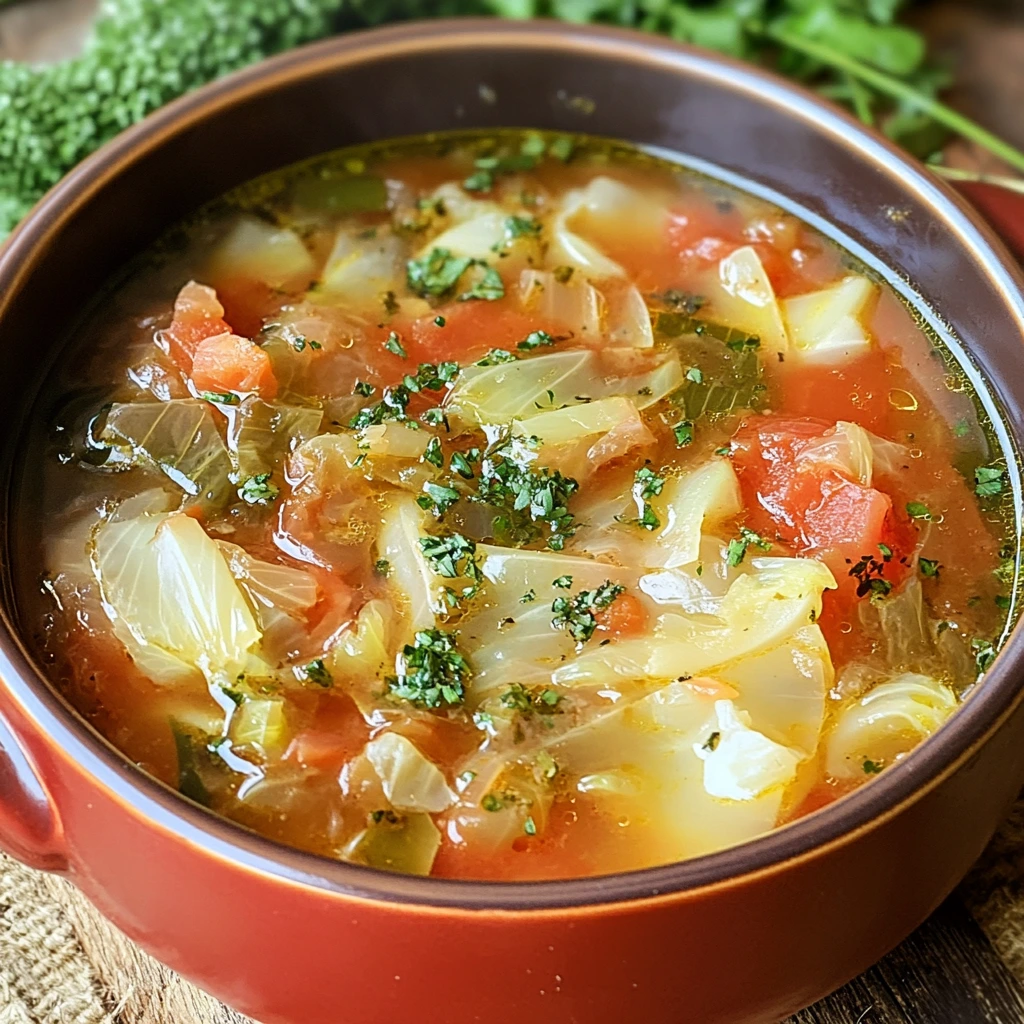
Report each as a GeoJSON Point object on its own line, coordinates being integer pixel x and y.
{"type": "Point", "coordinates": [61, 963]}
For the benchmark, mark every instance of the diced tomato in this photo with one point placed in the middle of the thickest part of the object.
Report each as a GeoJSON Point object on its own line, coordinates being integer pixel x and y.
{"type": "Point", "coordinates": [198, 314]}
{"type": "Point", "coordinates": [472, 329]}
{"type": "Point", "coordinates": [247, 303]}
{"type": "Point", "coordinates": [227, 362]}
{"type": "Point", "coordinates": [624, 617]}
{"type": "Point", "coordinates": [327, 750]}
{"type": "Point", "coordinates": [817, 510]}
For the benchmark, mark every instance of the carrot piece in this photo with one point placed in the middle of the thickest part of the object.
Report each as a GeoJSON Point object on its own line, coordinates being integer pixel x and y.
{"type": "Point", "coordinates": [198, 314]}
{"type": "Point", "coordinates": [227, 362]}
{"type": "Point", "coordinates": [624, 617]}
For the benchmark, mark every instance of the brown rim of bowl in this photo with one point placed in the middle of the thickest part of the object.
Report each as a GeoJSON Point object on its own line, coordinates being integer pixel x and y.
{"type": "Point", "coordinates": [933, 760]}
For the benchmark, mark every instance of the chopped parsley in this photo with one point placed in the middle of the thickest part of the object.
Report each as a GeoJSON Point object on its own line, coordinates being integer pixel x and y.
{"type": "Point", "coordinates": [563, 583]}
{"type": "Point", "coordinates": [526, 499]}
{"type": "Point", "coordinates": [1006, 571]}
{"type": "Point", "coordinates": [362, 388]}
{"type": "Point", "coordinates": [737, 549]}
{"type": "Point", "coordinates": [918, 510]}
{"type": "Point", "coordinates": [984, 653]}
{"type": "Point", "coordinates": [528, 597]}
{"type": "Point", "coordinates": [496, 357]}
{"type": "Point", "coordinates": [526, 700]}
{"type": "Point", "coordinates": [683, 433]}
{"type": "Point", "coordinates": [317, 672]}
{"type": "Point", "coordinates": [492, 803]}
{"type": "Point", "coordinates": [711, 743]}
{"type": "Point", "coordinates": [868, 572]}
{"type": "Point", "coordinates": [433, 453]}
{"type": "Point", "coordinates": [536, 339]}
{"type": "Point", "coordinates": [432, 671]}
{"type": "Point", "coordinates": [299, 342]}
{"type": "Point", "coordinates": [439, 321]}
{"type": "Point", "coordinates": [460, 463]}
{"type": "Point", "coordinates": [220, 397]}
{"type": "Point", "coordinates": [988, 481]}
{"type": "Point", "coordinates": [563, 275]}
{"type": "Point", "coordinates": [962, 428]}
{"type": "Point", "coordinates": [454, 557]}
{"type": "Point", "coordinates": [562, 148]}
{"type": "Point", "coordinates": [886, 552]}
{"type": "Point", "coordinates": [489, 287]}
{"type": "Point", "coordinates": [647, 485]}
{"type": "Point", "coordinates": [872, 767]}
{"type": "Point", "coordinates": [395, 399]}
{"type": "Point", "coordinates": [928, 566]}
{"type": "Point", "coordinates": [694, 373]}
{"type": "Point", "coordinates": [437, 498]}
{"type": "Point", "coordinates": [519, 227]}
{"type": "Point", "coordinates": [529, 826]}
{"type": "Point", "coordinates": [437, 273]}
{"type": "Point", "coordinates": [390, 302]}
{"type": "Point", "coordinates": [258, 490]}
{"type": "Point", "coordinates": [577, 614]}
{"type": "Point", "coordinates": [395, 346]}
{"type": "Point", "coordinates": [382, 567]}
{"type": "Point", "coordinates": [745, 343]}
{"type": "Point", "coordinates": [479, 181]}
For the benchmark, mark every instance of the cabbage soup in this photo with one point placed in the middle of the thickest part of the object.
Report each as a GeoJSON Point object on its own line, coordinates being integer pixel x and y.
{"type": "Point", "coordinates": [513, 506]}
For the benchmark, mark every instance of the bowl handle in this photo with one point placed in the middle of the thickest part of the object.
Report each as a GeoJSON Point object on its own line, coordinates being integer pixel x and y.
{"type": "Point", "coordinates": [29, 827]}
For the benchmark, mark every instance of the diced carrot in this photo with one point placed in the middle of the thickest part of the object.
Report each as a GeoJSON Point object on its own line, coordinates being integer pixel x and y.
{"type": "Point", "coordinates": [198, 314]}
{"type": "Point", "coordinates": [227, 362]}
{"type": "Point", "coordinates": [624, 617]}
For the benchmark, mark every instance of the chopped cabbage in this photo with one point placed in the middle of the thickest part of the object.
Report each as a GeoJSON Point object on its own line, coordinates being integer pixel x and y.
{"type": "Point", "coordinates": [407, 843]}
{"type": "Point", "coordinates": [576, 422]}
{"type": "Point", "coordinates": [410, 781]}
{"type": "Point", "coordinates": [172, 599]}
{"type": "Point", "coordinates": [847, 448]}
{"type": "Point", "coordinates": [260, 433]}
{"type": "Point", "coordinates": [613, 209]}
{"type": "Point", "coordinates": [360, 270]}
{"type": "Point", "coordinates": [783, 689]}
{"type": "Point", "coordinates": [362, 652]}
{"type": "Point", "coordinates": [262, 252]}
{"type": "Point", "coordinates": [478, 238]}
{"type": "Point", "coordinates": [568, 249]}
{"type": "Point", "coordinates": [761, 609]}
{"type": "Point", "coordinates": [655, 738]}
{"type": "Point", "coordinates": [628, 320]}
{"type": "Point", "coordinates": [742, 297]}
{"type": "Point", "coordinates": [826, 326]}
{"type": "Point", "coordinates": [411, 579]}
{"type": "Point", "coordinates": [695, 592]}
{"type": "Point", "coordinates": [509, 391]}
{"type": "Point", "coordinates": [576, 303]}
{"type": "Point", "coordinates": [886, 724]}
{"type": "Point", "coordinates": [179, 438]}
{"type": "Point", "coordinates": [260, 723]}
{"type": "Point", "coordinates": [688, 504]}
{"type": "Point", "coordinates": [268, 584]}
{"type": "Point", "coordinates": [741, 763]}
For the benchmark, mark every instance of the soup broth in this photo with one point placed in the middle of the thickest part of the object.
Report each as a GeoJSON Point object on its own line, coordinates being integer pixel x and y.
{"type": "Point", "coordinates": [513, 506]}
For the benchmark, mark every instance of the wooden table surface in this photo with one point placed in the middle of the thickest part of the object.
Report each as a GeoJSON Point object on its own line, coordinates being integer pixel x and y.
{"type": "Point", "coordinates": [948, 972]}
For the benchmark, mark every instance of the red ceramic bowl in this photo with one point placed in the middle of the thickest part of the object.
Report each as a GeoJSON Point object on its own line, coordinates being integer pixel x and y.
{"type": "Point", "coordinates": [750, 934]}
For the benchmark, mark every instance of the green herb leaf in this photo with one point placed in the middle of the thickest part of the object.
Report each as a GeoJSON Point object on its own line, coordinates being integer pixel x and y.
{"type": "Point", "coordinates": [928, 566]}
{"type": "Point", "coordinates": [917, 510]}
{"type": "Point", "coordinates": [258, 490]}
{"type": "Point", "coordinates": [394, 345]}
{"type": "Point", "coordinates": [432, 671]}
{"type": "Point", "coordinates": [737, 549]}
{"type": "Point", "coordinates": [317, 672]}
{"type": "Point", "coordinates": [988, 481]}
{"type": "Point", "coordinates": [437, 273]}
{"type": "Point", "coordinates": [577, 614]}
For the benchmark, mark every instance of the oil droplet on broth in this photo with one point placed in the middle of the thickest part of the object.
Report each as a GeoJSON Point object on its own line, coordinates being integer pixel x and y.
{"type": "Point", "coordinates": [903, 400]}
{"type": "Point", "coordinates": [845, 627]}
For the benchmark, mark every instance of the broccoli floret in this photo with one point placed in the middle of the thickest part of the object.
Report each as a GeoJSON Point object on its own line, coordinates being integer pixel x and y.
{"type": "Point", "coordinates": [140, 55]}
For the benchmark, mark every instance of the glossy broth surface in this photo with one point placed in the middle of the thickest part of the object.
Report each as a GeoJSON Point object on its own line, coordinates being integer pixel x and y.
{"type": "Point", "coordinates": [513, 506]}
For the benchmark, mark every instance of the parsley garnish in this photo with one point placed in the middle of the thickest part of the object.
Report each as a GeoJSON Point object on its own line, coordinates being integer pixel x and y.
{"type": "Point", "coordinates": [918, 510]}
{"type": "Point", "coordinates": [984, 653]}
{"type": "Point", "coordinates": [886, 552]}
{"type": "Point", "coordinates": [395, 399]}
{"type": "Point", "coordinates": [362, 388]}
{"type": "Point", "coordinates": [517, 227]}
{"type": "Point", "coordinates": [683, 433]}
{"type": "Point", "coordinates": [258, 490]}
{"type": "Point", "coordinates": [746, 343]}
{"type": "Point", "coordinates": [437, 273]}
{"type": "Point", "coordinates": [527, 700]}
{"type": "Point", "coordinates": [317, 672]}
{"type": "Point", "coordinates": [479, 181]}
{"type": "Point", "coordinates": [489, 288]}
{"type": "Point", "coordinates": [694, 373]}
{"type": "Point", "coordinates": [382, 567]}
{"type": "Point", "coordinates": [711, 743]}
{"type": "Point", "coordinates": [496, 357]}
{"type": "Point", "coordinates": [536, 339]}
{"type": "Point", "coordinates": [563, 583]}
{"type": "Point", "coordinates": [530, 595]}
{"type": "Point", "coordinates": [454, 556]}
{"type": "Point", "coordinates": [440, 321]}
{"type": "Point", "coordinates": [988, 481]}
{"type": "Point", "coordinates": [646, 485]}
{"type": "Point", "coordinates": [868, 572]}
{"type": "Point", "coordinates": [394, 345]}
{"type": "Point", "coordinates": [220, 397]}
{"type": "Point", "coordinates": [432, 670]}
{"type": "Point", "coordinates": [529, 826]}
{"type": "Point", "coordinates": [437, 498]}
{"type": "Point", "coordinates": [526, 498]}
{"type": "Point", "coordinates": [928, 566]}
{"type": "Point", "coordinates": [433, 453]}
{"type": "Point", "coordinates": [563, 274]}
{"type": "Point", "coordinates": [737, 549]}
{"type": "Point", "coordinates": [872, 767]}
{"type": "Point", "coordinates": [577, 614]}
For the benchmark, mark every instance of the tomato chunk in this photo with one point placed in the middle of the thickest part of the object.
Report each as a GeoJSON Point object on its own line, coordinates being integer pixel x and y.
{"type": "Point", "coordinates": [624, 617]}
{"type": "Point", "coordinates": [198, 314]}
{"type": "Point", "coordinates": [227, 362]}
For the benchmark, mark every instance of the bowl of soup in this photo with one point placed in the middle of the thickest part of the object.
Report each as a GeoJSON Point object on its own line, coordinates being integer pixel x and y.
{"type": "Point", "coordinates": [472, 570]}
